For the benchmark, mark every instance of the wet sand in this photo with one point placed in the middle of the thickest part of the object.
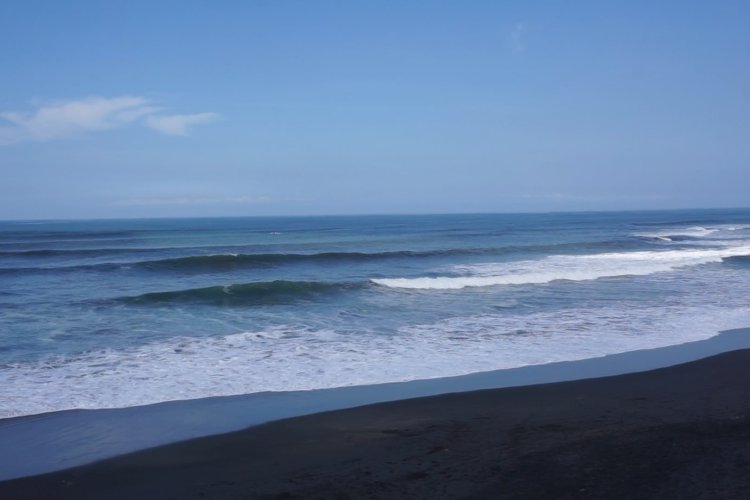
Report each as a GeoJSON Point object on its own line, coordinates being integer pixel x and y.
{"type": "Point", "coordinates": [676, 432]}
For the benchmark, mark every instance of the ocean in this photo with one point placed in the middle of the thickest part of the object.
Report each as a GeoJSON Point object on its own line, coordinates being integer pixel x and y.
{"type": "Point", "coordinates": [119, 313]}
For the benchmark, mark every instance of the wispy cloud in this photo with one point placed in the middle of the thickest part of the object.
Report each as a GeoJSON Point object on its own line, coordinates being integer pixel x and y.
{"type": "Point", "coordinates": [573, 197]}
{"type": "Point", "coordinates": [178, 124]}
{"type": "Point", "coordinates": [66, 119]}
{"type": "Point", "coordinates": [193, 200]}
{"type": "Point", "coordinates": [517, 38]}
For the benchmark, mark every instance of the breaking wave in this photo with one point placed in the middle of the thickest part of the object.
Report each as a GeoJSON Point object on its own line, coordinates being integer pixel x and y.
{"type": "Point", "coordinates": [292, 357]}
{"type": "Point", "coordinates": [567, 267]}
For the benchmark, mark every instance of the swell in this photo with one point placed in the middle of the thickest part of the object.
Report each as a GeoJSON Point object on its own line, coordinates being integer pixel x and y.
{"type": "Point", "coordinates": [246, 294]}
{"type": "Point", "coordinates": [77, 252]}
{"type": "Point", "coordinates": [212, 263]}
{"type": "Point", "coordinates": [103, 267]}
{"type": "Point", "coordinates": [63, 235]}
{"type": "Point", "coordinates": [225, 262]}
{"type": "Point", "coordinates": [232, 261]}
{"type": "Point", "coordinates": [739, 259]}
{"type": "Point", "coordinates": [228, 262]}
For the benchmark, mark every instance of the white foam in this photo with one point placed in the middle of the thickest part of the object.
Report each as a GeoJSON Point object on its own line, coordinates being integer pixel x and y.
{"type": "Point", "coordinates": [693, 232]}
{"type": "Point", "coordinates": [568, 267]}
{"type": "Point", "coordinates": [295, 358]}
{"type": "Point", "coordinates": [719, 231]}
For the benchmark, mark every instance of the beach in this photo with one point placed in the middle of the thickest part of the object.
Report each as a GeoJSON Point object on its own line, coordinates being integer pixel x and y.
{"type": "Point", "coordinates": [681, 431]}
{"type": "Point", "coordinates": [393, 250]}
{"type": "Point", "coordinates": [452, 355]}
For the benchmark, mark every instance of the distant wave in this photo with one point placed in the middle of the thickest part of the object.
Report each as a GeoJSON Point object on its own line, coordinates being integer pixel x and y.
{"type": "Point", "coordinates": [670, 222]}
{"type": "Point", "coordinates": [695, 232]}
{"type": "Point", "coordinates": [679, 234]}
{"type": "Point", "coordinates": [222, 262]}
{"type": "Point", "coordinates": [230, 261]}
{"type": "Point", "coordinates": [245, 294]}
{"type": "Point", "coordinates": [105, 266]}
{"type": "Point", "coordinates": [567, 267]}
{"type": "Point", "coordinates": [227, 262]}
{"type": "Point", "coordinates": [49, 253]}
{"type": "Point", "coordinates": [73, 252]}
{"type": "Point", "coordinates": [215, 262]}
{"type": "Point", "coordinates": [63, 235]}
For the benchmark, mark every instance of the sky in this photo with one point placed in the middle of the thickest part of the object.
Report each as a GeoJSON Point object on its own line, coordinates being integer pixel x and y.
{"type": "Point", "coordinates": [305, 107]}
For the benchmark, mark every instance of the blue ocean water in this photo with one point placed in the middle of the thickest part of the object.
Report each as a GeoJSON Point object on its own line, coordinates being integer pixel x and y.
{"type": "Point", "coordinates": [114, 313]}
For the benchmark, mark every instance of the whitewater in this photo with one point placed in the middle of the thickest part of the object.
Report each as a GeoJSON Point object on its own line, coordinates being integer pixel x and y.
{"type": "Point", "coordinates": [107, 314]}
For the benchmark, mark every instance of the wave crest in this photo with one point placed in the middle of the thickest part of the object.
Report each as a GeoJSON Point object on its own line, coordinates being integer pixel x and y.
{"type": "Point", "coordinates": [230, 261]}
{"type": "Point", "coordinates": [567, 267]}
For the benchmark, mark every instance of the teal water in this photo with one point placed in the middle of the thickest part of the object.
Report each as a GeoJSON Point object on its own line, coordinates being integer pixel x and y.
{"type": "Point", "coordinates": [100, 314]}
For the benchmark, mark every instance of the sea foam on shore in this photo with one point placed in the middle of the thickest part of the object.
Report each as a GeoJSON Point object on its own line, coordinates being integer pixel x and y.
{"type": "Point", "coordinates": [48, 442]}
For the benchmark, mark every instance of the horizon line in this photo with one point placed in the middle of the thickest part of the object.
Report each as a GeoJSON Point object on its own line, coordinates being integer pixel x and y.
{"type": "Point", "coordinates": [370, 214]}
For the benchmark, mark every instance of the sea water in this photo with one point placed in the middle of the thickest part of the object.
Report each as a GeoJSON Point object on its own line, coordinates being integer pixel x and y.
{"type": "Point", "coordinates": [118, 313]}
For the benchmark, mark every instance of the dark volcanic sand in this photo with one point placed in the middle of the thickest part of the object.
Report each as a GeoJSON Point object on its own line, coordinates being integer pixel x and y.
{"type": "Point", "coordinates": [679, 432]}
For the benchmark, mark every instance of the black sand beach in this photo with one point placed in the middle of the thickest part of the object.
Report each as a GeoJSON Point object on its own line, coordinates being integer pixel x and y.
{"type": "Point", "coordinates": [677, 432]}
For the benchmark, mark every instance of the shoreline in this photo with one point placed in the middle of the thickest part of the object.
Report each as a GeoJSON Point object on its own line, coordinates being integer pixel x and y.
{"type": "Point", "coordinates": [678, 431]}
{"type": "Point", "coordinates": [44, 443]}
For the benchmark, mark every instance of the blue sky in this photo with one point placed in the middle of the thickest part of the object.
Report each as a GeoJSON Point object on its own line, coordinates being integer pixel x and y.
{"type": "Point", "coordinates": [276, 107]}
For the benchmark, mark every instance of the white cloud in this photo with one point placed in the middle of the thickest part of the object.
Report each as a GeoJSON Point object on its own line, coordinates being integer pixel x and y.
{"type": "Point", "coordinates": [178, 124]}
{"type": "Point", "coordinates": [62, 120]}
